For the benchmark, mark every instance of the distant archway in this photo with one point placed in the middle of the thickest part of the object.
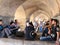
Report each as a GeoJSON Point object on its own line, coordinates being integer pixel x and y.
{"type": "Point", "coordinates": [39, 16]}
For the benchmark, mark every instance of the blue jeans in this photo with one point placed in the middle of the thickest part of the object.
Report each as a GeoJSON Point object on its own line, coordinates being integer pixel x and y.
{"type": "Point", "coordinates": [48, 38]}
{"type": "Point", "coordinates": [5, 31]}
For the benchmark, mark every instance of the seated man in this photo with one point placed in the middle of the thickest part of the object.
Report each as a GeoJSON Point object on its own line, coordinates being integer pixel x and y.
{"type": "Point", "coordinates": [58, 38]}
{"type": "Point", "coordinates": [29, 35]}
{"type": "Point", "coordinates": [45, 32]}
{"type": "Point", "coordinates": [1, 27]}
{"type": "Point", "coordinates": [13, 28]}
{"type": "Point", "coordinates": [9, 30]}
{"type": "Point", "coordinates": [45, 36]}
{"type": "Point", "coordinates": [52, 32]}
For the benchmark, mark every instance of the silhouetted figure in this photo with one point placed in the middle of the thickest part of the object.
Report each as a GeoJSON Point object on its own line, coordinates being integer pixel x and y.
{"type": "Point", "coordinates": [29, 31]}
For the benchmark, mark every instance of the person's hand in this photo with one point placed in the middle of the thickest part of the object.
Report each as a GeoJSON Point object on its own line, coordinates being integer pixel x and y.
{"type": "Point", "coordinates": [57, 42]}
{"type": "Point", "coordinates": [49, 32]}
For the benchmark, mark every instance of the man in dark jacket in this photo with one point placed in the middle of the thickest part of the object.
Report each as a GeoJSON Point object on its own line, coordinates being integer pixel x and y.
{"type": "Point", "coordinates": [9, 30]}
{"type": "Point", "coordinates": [29, 31]}
{"type": "Point", "coordinates": [1, 27]}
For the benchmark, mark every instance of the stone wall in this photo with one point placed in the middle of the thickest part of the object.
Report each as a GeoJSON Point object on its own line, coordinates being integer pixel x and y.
{"type": "Point", "coordinates": [8, 9]}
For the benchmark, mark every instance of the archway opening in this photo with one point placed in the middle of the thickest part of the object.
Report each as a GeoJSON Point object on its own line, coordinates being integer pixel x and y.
{"type": "Point", "coordinates": [20, 16]}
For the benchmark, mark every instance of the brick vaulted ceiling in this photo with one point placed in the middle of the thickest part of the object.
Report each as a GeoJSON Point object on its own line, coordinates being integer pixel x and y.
{"type": "Point", "coordinates": [25, 9]}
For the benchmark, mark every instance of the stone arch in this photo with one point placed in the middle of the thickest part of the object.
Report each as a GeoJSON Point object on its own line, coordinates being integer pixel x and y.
{"type": "Point", "coordinates": [38, 8]}
{"type": "Point", "coordinates": [20, 16]}
{"type": "Point", "coordinates": [8, 8]}
{"type": "Point", "coordinates": [45, 6]}
{"type": "Point", "coordinates": [38, 13]}
{"type": "Point", "coordinates": [31, 6]}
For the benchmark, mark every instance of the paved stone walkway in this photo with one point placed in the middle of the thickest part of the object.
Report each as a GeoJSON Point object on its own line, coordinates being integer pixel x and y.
{"type": "Point", "coordinates": [5, 41]}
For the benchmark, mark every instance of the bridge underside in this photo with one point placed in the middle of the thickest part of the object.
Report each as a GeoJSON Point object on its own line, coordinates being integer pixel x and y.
{"type": "Point", "coordinates": [33, 10]}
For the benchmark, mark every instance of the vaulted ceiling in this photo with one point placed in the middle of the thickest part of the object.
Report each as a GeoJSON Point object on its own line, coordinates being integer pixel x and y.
{"type": "Point", "coordinates": [30, 9]}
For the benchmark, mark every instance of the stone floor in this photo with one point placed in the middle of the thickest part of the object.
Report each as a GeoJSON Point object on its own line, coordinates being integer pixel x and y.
{"type": "Point", "coordinates": [5, 41]}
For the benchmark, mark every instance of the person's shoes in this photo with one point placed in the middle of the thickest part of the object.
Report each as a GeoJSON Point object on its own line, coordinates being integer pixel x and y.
{"type": "Point", "coordinates": [9, 36]}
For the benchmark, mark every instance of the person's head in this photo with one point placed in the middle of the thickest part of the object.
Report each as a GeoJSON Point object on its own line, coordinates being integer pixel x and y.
{"type": "Point", "coordinates": [47, 23]}
{"type": "Point", "coordinates": [27, 24]}
{"type": "Point", "coordinates": [12, 23]}
{"type": "Point", "coordinates": [50, 21]}
{"type": "Point", "coordinates": [1, 22]}
{"type": "Point", "coordinates": [15, 20]}
{"type": "Point", "coordinates": [54, 22]}
{"type": "Point", "coordinates": [30, 23]}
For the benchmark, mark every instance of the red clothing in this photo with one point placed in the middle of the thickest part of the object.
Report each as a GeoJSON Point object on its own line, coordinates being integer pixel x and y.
{"type": "Point", "coordinates": [59, 34]}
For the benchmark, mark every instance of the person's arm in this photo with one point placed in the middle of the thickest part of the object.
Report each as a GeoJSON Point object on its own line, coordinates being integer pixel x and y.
{"type": "Point", "coordinates": [57, 36]}
{"type": "Point", "coordinates": [58, 31]}
{"type": "Point", "coordinates": [16, 28]}
{"type": "Point", "coordinates": [57, 41]}
{"type": "Point", "coordinates": [49, 31]}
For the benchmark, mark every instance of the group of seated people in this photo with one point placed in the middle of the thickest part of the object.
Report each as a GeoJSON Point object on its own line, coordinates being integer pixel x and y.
{"type": "Point", "coordinates": [8, 30]}
{"type": "Point", "coordinates": [51, 31]}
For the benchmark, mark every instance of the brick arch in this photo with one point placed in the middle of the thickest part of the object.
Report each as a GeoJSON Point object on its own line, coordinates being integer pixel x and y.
{"type": "Point", "coordinates": [41, 5]}
{"type": "Point", "coordinates": [35, 8]}
{"type": "Point", "coordinates": [20, 16]}
{"type": "Point", "coordinates": [38, 13]}
{"type": "Point", "coordinates": [9, 7]}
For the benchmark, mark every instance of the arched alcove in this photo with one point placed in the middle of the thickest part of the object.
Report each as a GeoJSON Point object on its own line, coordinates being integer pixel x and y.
{"type": "Point", "coordinates": [20, 16]}
{"type": "Point", "coordinates": [30, 10]}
